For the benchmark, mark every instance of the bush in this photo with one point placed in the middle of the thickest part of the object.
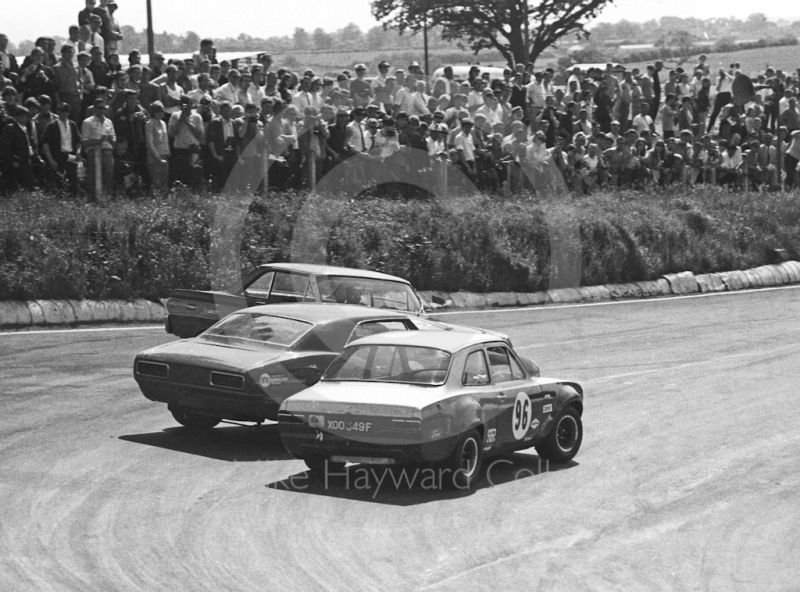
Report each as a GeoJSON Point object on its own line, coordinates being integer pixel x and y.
{"type": "Point", "coordinates": [58, 249]}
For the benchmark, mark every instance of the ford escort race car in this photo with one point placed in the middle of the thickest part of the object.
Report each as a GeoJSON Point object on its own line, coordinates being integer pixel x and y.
{"type": "Point", "coordinates": [190, 312]}
{"type": "Point", "coordinates": [245, 365]}
{"type": "Point", "coordinates": [437, 398]}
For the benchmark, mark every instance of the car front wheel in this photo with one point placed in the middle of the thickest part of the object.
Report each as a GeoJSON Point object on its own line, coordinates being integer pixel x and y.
{"type": "Point", "coordinates": [194, 420]}
{"type": "Point", "coordinates": [564, 439]}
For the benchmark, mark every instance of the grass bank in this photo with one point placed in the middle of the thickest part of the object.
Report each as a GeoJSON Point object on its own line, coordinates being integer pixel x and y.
{"type": "Point", "coordinates": [51, 248]}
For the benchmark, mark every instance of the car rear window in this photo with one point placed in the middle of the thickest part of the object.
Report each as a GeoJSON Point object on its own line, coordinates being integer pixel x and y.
{"type": "Point", "coordinates": [390, 363]}
{"type": "Point", "coordinates": [260, 328]}
{"type": "Point", "coordinates": [368, 292]}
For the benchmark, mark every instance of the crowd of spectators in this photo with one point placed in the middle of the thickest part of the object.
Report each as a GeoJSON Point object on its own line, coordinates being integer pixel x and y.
{"type": "Point", "coordinates": [132, 129]}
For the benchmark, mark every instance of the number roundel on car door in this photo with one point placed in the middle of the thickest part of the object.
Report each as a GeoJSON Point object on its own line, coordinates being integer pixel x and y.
{"type": "Point", "coordinates": [521, 416]}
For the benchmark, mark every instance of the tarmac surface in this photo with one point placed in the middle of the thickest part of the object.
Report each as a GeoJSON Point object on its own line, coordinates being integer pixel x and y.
{"type": "Point", "coordinates": [687, 479]}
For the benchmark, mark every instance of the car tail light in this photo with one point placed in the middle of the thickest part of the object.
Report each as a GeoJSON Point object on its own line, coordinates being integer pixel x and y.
{"type": "Point", "coordinates": [407, 425]}
{"type": "Point", "coordinates": [234, 381]}
{"type": "Point", "coordinates": [152, 369]}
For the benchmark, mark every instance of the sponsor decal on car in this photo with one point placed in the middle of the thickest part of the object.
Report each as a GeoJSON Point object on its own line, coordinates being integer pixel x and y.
{"type": "Point", "coordinates": [436, 434]}
{"type": "Point", "coordinates": [547, 409]}
{"type": "Point", "coordinates": [316, 421]}
{"type": "Point", "coordinates": [491, 436]}
{"type": "Point", "coordinates": [266, 380]}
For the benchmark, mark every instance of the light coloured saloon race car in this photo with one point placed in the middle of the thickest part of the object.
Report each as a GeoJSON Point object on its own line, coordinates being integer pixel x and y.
{"type": "Point", "coordinates": [441, 398]}
{"type": "Point", "coordinates": [244, 366]}
{"type": "Point", "coordinates": [190, 312]}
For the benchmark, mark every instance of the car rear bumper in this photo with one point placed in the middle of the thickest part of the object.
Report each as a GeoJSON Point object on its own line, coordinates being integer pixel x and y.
{"type": "Point", "coordinates": [304, 441]}
{"type": "Point", "coordinates": [211, 401]}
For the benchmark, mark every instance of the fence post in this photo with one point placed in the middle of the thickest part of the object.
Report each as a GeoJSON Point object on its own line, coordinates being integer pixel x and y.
{"type": "Point", "coordinates": [98, 173]}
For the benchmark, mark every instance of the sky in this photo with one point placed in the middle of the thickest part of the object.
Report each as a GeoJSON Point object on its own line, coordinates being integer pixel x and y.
{"type": "Point", "coordinates": [260, 18]}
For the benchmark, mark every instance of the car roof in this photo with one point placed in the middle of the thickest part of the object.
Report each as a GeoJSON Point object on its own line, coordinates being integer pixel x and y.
{"type": "Point", "coordinates": [315, 269]}
{"type": "Point", "coordinates": [450, 341]}
{"type": "Point", "coordinates": [318, 314]}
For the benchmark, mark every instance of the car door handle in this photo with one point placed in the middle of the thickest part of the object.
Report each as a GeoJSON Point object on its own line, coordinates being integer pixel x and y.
{"type": "Point", "coordinates": [501, 396]}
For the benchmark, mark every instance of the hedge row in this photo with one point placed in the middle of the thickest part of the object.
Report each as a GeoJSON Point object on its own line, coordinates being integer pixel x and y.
{"type": "Point", "coordinates": [52, 248]}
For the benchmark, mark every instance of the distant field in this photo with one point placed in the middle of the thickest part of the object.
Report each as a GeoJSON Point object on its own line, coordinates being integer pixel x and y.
{"type": "Point", "coordinates": [328, 62]}
{"type": "Point", "coordinates": [753, 61]}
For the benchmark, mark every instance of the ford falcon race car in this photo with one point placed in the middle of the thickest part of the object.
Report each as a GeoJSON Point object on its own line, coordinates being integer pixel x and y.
{"type": "Point", "coordinates": [436, 398]}
{"type": "Point", "coordinates": [190, 312]}
{"type": "Point", "coordinates": [244, 366]}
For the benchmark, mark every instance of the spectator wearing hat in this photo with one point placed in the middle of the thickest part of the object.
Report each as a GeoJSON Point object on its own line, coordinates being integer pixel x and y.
{"type": "Point", "coordinates": [158, 150]}
{"type": "Point", "coordinates": [43, 118]}
{"type": "Point", "coordinates": [61, 146]}
{"type": "Point", "coordinates": [98, 138]}
{"type": "Point", "coordinates": [73, 41]}
{"type": "Point", "coordinates": [464, 146]}
{"type": "Point", "coordinates": [114, 30]}
{"type": "Point", "coordinates": [223, 145]}
{"type": "Point", "coordinates": [7, 59]}
{"type": "Point", "coordinates": [85, 15]}
{"type": "Point", "coordinates": [230, 90]}
{"type": "Point", "coordinates": [205, 52]}
{"type": "Point", "coordinates": [68, 82]}
{"type": "Point", "coordinates": [360, 89]}
{"type": "Point", "coordinates": [171, 91]}
{"type": "Point", "coordinates": [17, 152]}
{"type": "Point", "coordinates": [36, 78]}
{"type": "Point", "coordinates": [96, 37]}
{"type": "Point", "coordinates": [186, 129]}
{"type": "Point", "coordinates": [129, 123]}
{"type": "Point", "coordinates": [380, 79]}
{"type": "Point", "coordinates": [443, 84]}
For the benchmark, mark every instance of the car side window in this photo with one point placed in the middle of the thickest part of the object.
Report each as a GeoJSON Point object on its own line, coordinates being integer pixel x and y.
{"type": "Point", "coordinates": [261, 287]}
{"type": "Point", "coordinates": [292, 287]}
{"type": "Point", "coordinates": [476, 373]}
{"type": "Point", "coordinates": [499, 365]}
{"type": "Point", "coordinates": [374, 327]}
{"type": "Point", "coordinates": [517, 373]}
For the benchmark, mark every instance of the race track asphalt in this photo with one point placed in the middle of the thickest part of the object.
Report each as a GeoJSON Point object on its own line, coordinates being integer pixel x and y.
{"type": "Point", "coordinates": [688, 479]}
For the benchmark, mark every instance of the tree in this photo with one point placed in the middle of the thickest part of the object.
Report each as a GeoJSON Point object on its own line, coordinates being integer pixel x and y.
{"type": "Point", "coordinates": [678, 45]}
{"type": "Point", "coordinates": [351, 34]}
{"type": "Point", "coordinates": [376, 38]}
{"type": "Point", "coordinates": [322, 40]}
{"type": "Point", "coordinates": [519, 29]}
{"type": "Point", "coordinates": [301, 38]}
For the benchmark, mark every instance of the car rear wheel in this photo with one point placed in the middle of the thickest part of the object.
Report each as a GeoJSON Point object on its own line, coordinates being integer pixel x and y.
{"type": "Point", "coordinates": [194, 420]}
{"type": "Point", "coordinates": [464, 465]}
{"type": "Point", "coordinates": [564, 439]}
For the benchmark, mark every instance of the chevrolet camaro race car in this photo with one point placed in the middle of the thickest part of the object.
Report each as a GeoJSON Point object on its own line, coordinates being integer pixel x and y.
{"type": "Point", "coordinates": [438, 398]}
{"type": "Point", "coordinates": [190, 312]}
{"type": "Point", "coordinates": [244, 366]}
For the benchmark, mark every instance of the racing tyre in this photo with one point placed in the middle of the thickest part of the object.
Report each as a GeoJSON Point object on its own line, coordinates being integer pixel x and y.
{"type": "Point", "coordinates": [564, 439]}
{"type": "Point", "coordinates": [464, 465]}
{"type": "Point", "coordinates": [194, 420]}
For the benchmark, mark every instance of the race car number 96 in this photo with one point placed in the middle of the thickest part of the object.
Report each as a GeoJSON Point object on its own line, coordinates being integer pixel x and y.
{"type": "Point", "coordinates": [522, 416]}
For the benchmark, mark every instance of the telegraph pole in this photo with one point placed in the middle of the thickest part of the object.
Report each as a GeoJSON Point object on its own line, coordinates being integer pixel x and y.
{"type": "Point", "coordinates": [425, 41]}
{"type": "Point", "coordinates": [150, 38]}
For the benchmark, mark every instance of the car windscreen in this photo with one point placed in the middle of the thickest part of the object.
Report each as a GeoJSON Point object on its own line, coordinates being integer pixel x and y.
{"type": "Point", "coordinates": [260, 328]}
{"type": "Point", "coordinates": [368, 292]}
{"type": "Point", "coordinates": [390, 363]}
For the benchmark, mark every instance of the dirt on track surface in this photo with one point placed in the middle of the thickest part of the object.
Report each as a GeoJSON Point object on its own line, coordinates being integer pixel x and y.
{"type": "Point", "coordinates": [688, 478]}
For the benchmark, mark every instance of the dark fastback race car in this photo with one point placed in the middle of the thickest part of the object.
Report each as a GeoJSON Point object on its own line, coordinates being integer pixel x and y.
{"type": "Point", "coordinates": [190, 312]}
{"type": "Point", "coordinates": [244, 366]}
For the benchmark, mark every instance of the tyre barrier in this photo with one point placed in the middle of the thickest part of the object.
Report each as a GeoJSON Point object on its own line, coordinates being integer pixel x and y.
{"type": "Point", "coordinates": [15, 314]}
